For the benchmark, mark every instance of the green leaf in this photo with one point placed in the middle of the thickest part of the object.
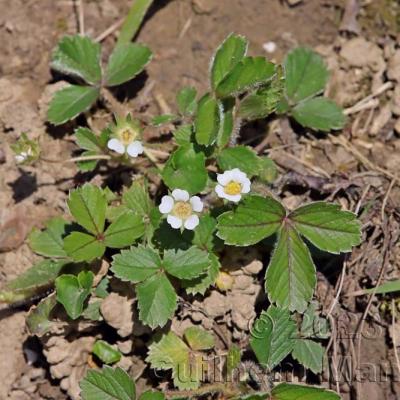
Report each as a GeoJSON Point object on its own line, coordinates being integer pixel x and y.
{"type": "Point", "coordinates": [387, 287]}
{"type": "Point", "coordinates": [102, 288]}
{"type": "Point", "coordinates": [67, 103]}
{"type": "Point", "coordinates": [204, 233]}
{"type": "Point", "coordinates": [202, 283]}
{"type": "Point", "coordinates": [228, 54]}
{"type": "Point", "coordinates": [314, 326]}
{"type": "Point", "coordinates": [172, 353]}
{"type": "Point", "coordinates": [310, 354]}
{"type": "Point", "coordinates": [253, 220]}
{"type": "Point", "coordinates": [207, 120]}
{"type": "Point", "coordinates": [79, 56]}
{"type": "Point", "coordinates": [88, 206]}
{"type": "Point", "coordinates": [286, 391]}
{"type": "Point", "coordinates": [273, 336]}
{"type": "Point", "coordinates": [183, 134]}
{"type": "Point", "coordinates": [186, 99]}
{"type": "Point", "coordinates": [152, 395]}
{"type": "Point", "coordinates": [87, 140]}
{"type": "Point", "coordinates": [268, 170]}
{"type": "Point", "coordinates": [72, 291]}
{"type": "Point", "coordinates": [137, 199]}
{"type": "Point", "coordinates": [241, 157]}
{"type": "Point", "coordinates": [247, 74]}
{"type": "Point", "coordinates": [290, 278]}
{"type": "Point", "coordinates": [163, 119]}
{"type": "Point", "coordinates": [105, 352]}
{"type": "Point", "coordinates": [198, 339]}
{"type": "Point", "coordinates": [157, 300]}
{"type": "Point", "coordinates": [186, 169]}
{"type": "Point", "coordinates": [226, 126]}
{"type": "Point", "coordinates": [107, 384]}
{"type": "Point", "coordinates": [92, 311]}
{"type": "Point", "coordinates": [136, 264]}
{"type": "Point", "coordinates": [49, 242]}
{"type": "Point", "coordinates": [233, 359]}
{"type": "Point", "coordinates": [37, 278]}
{"type": "Point", "coordinates": [320, 114]}
{"type": "Point", "coordinates": [305, 74]}
{"type": "Point", "coordinates": [83, 247]}
{"type": "Point", "coordinates": [88, 165]}
{"type": "Point", "coordinates": [38, 319]}
{"type": "Point", "coordinates": [263, 102]}
{"type": "Point", "coordinates": [186, 264]}
{"type": "Point", "coordinates": [327, 227]}
{"type": "Point", "coordinates": [125, 62]}
{"type": "Point", "coordinates": [124, 230]}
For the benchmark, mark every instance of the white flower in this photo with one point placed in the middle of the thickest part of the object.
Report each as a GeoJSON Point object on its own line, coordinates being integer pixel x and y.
{"type": "Point", "coordinates": [21, 157]}
{"type": "Point", "coordinates": [181, 209]}
{"type": "Point", "coordinates": [232, 184]}
{"type": "Point", "coordinates": [133, 149]}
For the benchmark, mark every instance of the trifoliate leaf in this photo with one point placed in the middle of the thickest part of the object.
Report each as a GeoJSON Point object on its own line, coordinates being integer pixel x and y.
{"type": "Point", "coordinates": [305, 74]}
{"type": "Point", "coordinates": [105, 352]}
{"type": "Point", "coordinates": [183, 134]}
{"type": "Point", "coordinates": [286, 391]}
{"type": "Point", "coordinates": [37, 278]}
{"type": "Point", "coordinates": [198, 338]}
{"type": "Point", "coordinates": [226, 126]}
{"type": "Point", "coordinates": [228, 54]}
{"type": "Point", "coordinates": [125, 62]}
{"type": "Point", "coordinates": [202, 283]}
{"type": "Point", "coordinates": [88, 206]}
{"type": "Point", "coordinates": [137, 199]}
{"type": "Point", "coordinates": [186, 264]}
{"type": "Point", "coordinates": [107, 384]}
{"type": "Point", "coordinates": [207, 120]}
{"type": "Point", "coordinates": [290, 278]}
{"type": "Point", "coordinates": [245, 75]}
{"type": "Point", "coordinates": [253, 220]}
{"type": "Point", "coordinates": [38, 319]}
{"type": "Point", "coordinates": [273, 336]}
{"type": "Point", "coordinates": [79, 56]}
{"type": "Point", "coordinates": [186, 99]}
{"type": "Point", "coordinates": [124, 230]}
{"type": "Point", "coordinates": [157, 300]}
{"type": "Point", "coordinates": [72, 291]}
{"type": "Point", "coordinates": [67, 103]}
{"type": "Point", "coordinates": [136, 264]}
{"type": "Point", "coordinates": [310, 354]}
{"type": "Point", "coordinates": [241, 157]}
{"type": "Point", "coordinates": [83, 247]}
{"type": "Point", "coordinates": [172, 353]}
{"type": "Point", "coordinates": [49, 242]}
{"type": "Point", "coordinates": [327, 227]}
{"type": "Point", "coordinates": [204, 233]}
{"type": "Point", "coordinates": [320, 114]}
{"type": "Point", "coordinates": [186, 169]}
{"type": "Point", "coordinates": [87, 140]}
{"type": "Point", "coordinates": [152, 395]}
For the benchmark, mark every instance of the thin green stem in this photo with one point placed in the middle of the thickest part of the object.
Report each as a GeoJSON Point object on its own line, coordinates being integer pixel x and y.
{"type": "Point", "coordinates": [77, 159]}
{"type": "Point", "coordinates": [133, 21]}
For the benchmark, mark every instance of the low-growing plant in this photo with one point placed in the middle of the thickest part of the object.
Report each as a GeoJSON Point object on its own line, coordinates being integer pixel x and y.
{"type": "Point", "coordinates": [166, 239]}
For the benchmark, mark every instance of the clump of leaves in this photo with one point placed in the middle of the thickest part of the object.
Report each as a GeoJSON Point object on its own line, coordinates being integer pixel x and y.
{"type": "Point", "coordinates": [167, 242]}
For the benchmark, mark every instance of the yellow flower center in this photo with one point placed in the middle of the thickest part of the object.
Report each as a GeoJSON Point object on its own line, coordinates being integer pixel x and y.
{"type": "Point", "coordinates": [127, 136]}
{"type": "Point", "coordinates": [182, 209]}
{"type": "Point", "coordinates": [233, 188]}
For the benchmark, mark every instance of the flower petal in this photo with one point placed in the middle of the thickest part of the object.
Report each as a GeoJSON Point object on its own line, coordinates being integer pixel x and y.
{"type": "Point", "coordinates": [135, 148]}
{"type": "Point", "coordinates": [238, 175]}
{"type": "Point", "coordinates": [225, 178]}
{"type": "Point", "coordinates": [246, 185]}
{"type": "Point", "coordinates": [196, 203]}
{"type": "Point", "coordinates": [192, 222]}
{"type": "Point", "coordinates": [220, 191]}
{"type": "Point", "coordinates": [175, 222]}
{"type": "Point", "coordinates": [116, 145]}
{"type": "Point", "coordinates": [180, 195]}
{"type": "Point", "coordinates": [166, 205]}
{"type": "Point", "coordinates": [235, 198]}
